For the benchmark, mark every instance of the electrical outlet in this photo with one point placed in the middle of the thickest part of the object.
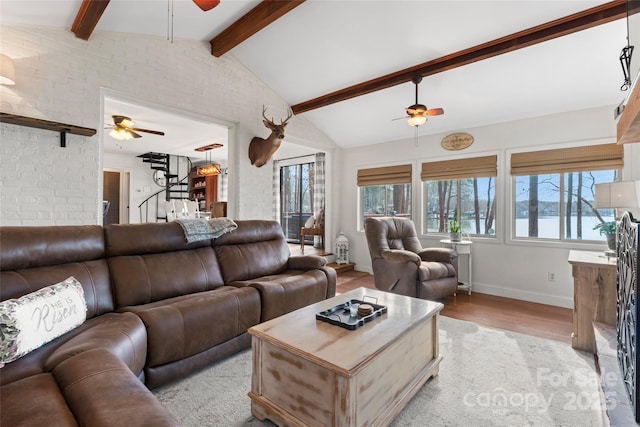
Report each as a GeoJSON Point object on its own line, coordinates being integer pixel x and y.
{"type": "Point", "coordinates": [551, 277]}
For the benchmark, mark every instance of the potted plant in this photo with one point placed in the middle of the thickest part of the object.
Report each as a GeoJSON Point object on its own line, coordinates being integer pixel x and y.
{"type": "Point", "coordinates": [454, 227]}
{"type": "Point", "coordinates": [608, 228]}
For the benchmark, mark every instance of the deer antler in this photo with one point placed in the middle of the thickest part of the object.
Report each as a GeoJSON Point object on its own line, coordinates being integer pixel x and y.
{"type": "Point", "coordinates": [287, 119]}
{"type": "Point", "coordinates": [282, 122]}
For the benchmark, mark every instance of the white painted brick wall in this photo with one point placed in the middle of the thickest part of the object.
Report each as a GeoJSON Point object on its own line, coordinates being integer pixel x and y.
{"type": "Point", "coordinates": [59, 78]}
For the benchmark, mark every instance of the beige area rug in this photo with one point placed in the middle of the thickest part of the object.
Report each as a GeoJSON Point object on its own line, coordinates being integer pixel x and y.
{"type": "Point", "coordinates": [488, 377]}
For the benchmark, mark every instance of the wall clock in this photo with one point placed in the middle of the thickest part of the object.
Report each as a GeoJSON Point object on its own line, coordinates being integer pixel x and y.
{"type": "Point", "coordinates": [159, 178]}
{"type": "Point", "coordinates": [456, 141]}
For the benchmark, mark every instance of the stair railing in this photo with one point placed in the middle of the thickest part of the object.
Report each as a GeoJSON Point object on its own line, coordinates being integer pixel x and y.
{"type": "Point", "coordinates": [144, 205]}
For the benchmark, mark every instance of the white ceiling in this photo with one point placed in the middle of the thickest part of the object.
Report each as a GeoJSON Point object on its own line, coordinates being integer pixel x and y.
{"type": "Point", "coordinates": [327, 45]}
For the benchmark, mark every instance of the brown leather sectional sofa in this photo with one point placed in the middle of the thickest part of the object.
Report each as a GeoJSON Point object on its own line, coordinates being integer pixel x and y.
{"type": "Point", "coordinates": [157, 309]}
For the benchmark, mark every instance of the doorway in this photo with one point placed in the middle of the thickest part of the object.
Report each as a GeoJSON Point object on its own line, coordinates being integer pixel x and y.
{"type": "Point", "coordinates": [296, 194]}
{"type": "Point", "coordinates": [115, 196]}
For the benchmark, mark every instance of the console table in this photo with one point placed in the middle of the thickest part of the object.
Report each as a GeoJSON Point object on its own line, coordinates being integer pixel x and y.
{"type": "Point", "coordinates": [594, 295]}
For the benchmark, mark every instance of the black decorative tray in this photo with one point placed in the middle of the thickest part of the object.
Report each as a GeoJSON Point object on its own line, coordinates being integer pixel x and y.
{"type": "Point", "coordinates": [340, 314]}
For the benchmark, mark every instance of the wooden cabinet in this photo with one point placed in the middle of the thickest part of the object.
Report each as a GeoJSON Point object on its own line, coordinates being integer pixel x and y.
{"type": "Point", "coordinates": [203, 189]}
{"type": "Point", "coordinates": [594, 296]}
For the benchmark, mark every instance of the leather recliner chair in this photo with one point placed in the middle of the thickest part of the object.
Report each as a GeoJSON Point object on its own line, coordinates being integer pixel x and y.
{"type": "Point", "coordinates": [402, 266]}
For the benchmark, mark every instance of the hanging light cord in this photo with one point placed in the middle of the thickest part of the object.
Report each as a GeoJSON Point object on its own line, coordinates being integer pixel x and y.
{"type": "Point", "coordinates": [170, 20]}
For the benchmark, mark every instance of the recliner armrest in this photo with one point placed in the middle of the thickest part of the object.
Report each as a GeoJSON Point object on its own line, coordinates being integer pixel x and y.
{"type": "Point", "coordinates": [445, 255]}
{"type": "Point", "coordinates": [400, 255]}
{"type": "Point", "coordinates": [306, 262]}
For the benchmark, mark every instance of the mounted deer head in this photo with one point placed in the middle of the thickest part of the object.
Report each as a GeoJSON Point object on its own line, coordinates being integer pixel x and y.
{"type": "Point", "coordinates": [260, 149]}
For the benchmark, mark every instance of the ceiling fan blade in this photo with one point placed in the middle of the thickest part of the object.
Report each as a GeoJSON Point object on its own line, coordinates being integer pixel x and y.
{"type": "Point", "coordinates": [400, 118]}
{"type": "Point", "coordinates": [155, 132]}
{"type": "Point", "coordinates": [123, 121]}
{"type": "Point", "coordinates": [434, 111]}
{"type": "Point", "coordinates": [206, 4]}
{"type": "Point", "coordinates": [133, 134]}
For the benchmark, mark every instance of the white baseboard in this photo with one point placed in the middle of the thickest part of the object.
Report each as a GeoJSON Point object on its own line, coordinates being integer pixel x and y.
{"type": "Point", "coordinates": [518, 294]}
{"type": "Point", "coordinates": [523, 295]}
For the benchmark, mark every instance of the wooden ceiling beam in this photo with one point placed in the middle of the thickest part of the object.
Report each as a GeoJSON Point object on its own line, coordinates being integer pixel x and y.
{"type": "Point", "coordinates": [255, 20]}
{"type": "Point", "coordinates": [87, 17]}
{"type": "Point", "coordinates": [589, 18]}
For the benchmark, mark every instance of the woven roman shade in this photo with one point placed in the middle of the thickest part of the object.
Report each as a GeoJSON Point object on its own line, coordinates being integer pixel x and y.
{"type": "Point", "coordinates": [400, 174]}
{"type": "Point", "coordinates": [578, 159]}
{"type": "Point", "coordinates": [474, 167]}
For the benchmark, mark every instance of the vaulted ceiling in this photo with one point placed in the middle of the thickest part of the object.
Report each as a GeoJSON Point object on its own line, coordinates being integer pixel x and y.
{"type": "Point", "coordinates": [347, 65]}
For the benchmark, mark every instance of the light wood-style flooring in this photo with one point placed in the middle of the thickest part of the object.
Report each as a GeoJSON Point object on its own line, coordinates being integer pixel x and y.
{"type": "Point", "coordinates": [529, 318]}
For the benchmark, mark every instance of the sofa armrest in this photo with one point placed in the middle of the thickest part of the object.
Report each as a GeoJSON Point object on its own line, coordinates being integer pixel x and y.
{"type": "Point", "coordinates": [102, 391]}
{"type": "Point", "coordinates": [445, 255]}
{"type": "Point", "coordinates": [306, 262]}
{"type": "Point", "coordinates": [400, 255]}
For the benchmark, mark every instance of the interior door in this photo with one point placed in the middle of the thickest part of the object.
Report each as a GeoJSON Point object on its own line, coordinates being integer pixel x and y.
{"type": "Point", "coordinates": [111, 193]}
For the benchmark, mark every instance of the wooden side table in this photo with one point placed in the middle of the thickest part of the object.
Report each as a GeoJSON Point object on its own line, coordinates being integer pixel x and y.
{"type": "Point", "coordinates": [462, 247]}
{"type": "Point", "coordinates": [594, 295]}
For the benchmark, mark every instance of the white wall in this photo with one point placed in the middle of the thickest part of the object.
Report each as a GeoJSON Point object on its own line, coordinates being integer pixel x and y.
{"type": "Point", "coordinates": [60, 77]}
{"type": "Point", "coordinates": [501, 266]}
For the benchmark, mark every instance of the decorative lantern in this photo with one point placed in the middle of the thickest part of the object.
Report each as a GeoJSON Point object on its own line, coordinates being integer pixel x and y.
{"type": "Point", "coordinates": [342, 249]}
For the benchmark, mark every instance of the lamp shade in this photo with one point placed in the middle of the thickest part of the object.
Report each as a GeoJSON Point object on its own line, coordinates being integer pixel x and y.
{"type": "Point", "coordinates": [620, 194]}
{"type": "Point", "coordinates": [7, 71]}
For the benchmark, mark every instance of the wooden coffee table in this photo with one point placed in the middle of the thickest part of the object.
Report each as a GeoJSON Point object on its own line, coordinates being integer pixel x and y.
{"type": "Point", "coordinates": [311, 373]}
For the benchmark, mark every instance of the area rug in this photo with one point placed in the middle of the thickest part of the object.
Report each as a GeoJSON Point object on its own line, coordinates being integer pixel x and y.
{"type": "Point", "coordinates": [488, 377]}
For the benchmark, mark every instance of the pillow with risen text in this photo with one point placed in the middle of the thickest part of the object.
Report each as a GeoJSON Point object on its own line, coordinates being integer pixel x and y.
{"type": "Point", "coordinates": [28, 322]}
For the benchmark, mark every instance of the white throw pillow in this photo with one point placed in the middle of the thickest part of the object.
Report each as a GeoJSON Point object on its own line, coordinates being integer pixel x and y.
{"type": "Point", "coordinates": [34, 319]}
{"type": "Point", "coordinates": [310, 222]}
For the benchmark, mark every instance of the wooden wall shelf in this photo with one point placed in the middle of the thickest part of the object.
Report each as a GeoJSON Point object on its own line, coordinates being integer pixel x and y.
{"type": "Point", "coordinates": [63, 128]}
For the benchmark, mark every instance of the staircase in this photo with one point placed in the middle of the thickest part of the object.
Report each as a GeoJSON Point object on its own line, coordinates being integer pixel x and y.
{"type": "Point", "coordinates": [175, 186]}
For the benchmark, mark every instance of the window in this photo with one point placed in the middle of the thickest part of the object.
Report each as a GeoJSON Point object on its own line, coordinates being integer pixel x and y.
{"type": "Point", "coordinates": [554, 191]}
{"type": "Point", "coordinates": [466, 188]}
{"type": "Point", "coordinates": [385, 192]}
{"type": "Point", "coordinates": [296, 195]}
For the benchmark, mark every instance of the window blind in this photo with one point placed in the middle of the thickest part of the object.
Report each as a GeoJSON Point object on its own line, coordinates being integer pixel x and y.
{"type": "Point", "coordinates": [400, 174]}
{"type": "Point", "coordinates": [474, 167]}
{"type": "Point", "coordinates": [577, 159]}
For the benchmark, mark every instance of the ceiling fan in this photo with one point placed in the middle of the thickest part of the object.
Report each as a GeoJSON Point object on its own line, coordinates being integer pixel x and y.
{"type": "Point", "coordinates": [418, 113]}
{"type": "Point", "coordinates": [123, 129]}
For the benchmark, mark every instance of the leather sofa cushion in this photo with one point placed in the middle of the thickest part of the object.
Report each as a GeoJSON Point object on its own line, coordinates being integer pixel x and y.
{"type": "Point", "coordinates": [435, 270]}
{"type": "Point", "coordinates": [101, 391]}
{"type": "Point", "coordinates": [282, 293]}
{"type": "Point", "coordinates": [122, 333]}
{"type": "Point", "coordinates": [40, 392]}
{"type": "Point", "coordinates": [143, 279]}
{"type": "Point", "coordinates": [147, 238]}
{"type": "Point", "coordinates": [36, 257]}
{"type": "Point", "coordinates": [183, 326]}
{"type": "Point", "coordinates": [29, 247]}
{"type": "Point", "coordinates": [256, 248]}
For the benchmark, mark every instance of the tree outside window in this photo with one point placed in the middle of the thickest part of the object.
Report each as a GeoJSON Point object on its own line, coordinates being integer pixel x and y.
{"type": "Point", "coordinates": [472, 199]}
{"type": "Point", "coordinates": [559, 206]}
{"type": "Point", "coordinates": [385, 200]}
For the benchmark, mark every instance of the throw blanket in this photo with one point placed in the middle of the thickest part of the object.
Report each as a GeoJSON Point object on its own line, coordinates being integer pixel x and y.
{"type": "Point", "coordinates": [203, 229]}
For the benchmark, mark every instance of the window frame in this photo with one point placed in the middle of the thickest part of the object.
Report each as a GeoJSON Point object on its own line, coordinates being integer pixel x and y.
{"type": "Point", "coordinates": [457, 169]}
{"type": "Point", "coordinates": [562, 202]}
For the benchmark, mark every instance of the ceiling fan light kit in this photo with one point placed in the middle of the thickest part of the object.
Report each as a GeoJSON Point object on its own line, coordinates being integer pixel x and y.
{"type": "Point", "coordinates": [123, 129]}
{"type": "Point", "coordinates": [120, 134]}
{"type": "Point", "coordinates": [418, 112]}
{"type": "Point", "coordinates": [417, 120]}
